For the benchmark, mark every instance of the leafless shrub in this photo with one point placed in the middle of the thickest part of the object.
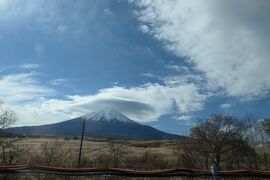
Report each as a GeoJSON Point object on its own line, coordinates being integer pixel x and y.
{"type": "Point", "coordinates": [146, 161]}
{"type": "Point", "coordinates": [117, 152]}
{"type": "Point", "coordinates": [102, 159]}
{"type": "Point", "coordinates": [55, 153]}
{"type": "Point", "coordinates": [190, 155]}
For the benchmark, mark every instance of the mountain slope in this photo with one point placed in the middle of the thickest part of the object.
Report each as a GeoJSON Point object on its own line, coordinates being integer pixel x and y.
{"type": "Point", "coordinates": [105, 123]}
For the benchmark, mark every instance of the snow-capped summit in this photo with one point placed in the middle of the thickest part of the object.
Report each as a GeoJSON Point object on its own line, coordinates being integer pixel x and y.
{"type": "Point", "coordinates": [107, 114]}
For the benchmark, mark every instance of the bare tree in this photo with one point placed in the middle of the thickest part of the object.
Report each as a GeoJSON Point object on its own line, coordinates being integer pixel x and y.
{"type": "Point", "coordinates": [217, 135]}
{"type": "Point", "coordinates": [266, 125]}
{"type": "Point", "coordinates": [7, 117]}
{"type": "Point", "coordinates": [7, 144]}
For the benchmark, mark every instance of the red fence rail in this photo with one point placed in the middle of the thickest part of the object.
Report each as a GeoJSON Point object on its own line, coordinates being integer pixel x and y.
{"type": "Point", "coordinates": [129, 173]}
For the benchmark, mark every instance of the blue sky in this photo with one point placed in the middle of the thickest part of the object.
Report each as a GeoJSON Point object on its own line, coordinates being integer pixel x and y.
{"type": "Point", "coordinates": [163, 63]}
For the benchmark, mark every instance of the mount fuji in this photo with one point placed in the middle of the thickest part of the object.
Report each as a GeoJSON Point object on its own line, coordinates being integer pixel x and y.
{"type": "Point", "coordinates": [104, 123]}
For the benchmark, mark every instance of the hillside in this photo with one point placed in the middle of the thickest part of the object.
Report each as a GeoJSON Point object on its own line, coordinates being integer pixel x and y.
{"type": "Point", "coordinates": [105, 123]}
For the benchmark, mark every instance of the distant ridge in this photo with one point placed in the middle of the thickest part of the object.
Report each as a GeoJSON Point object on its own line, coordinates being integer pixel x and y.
{"type": "Point", "coordinates": [104, 123]}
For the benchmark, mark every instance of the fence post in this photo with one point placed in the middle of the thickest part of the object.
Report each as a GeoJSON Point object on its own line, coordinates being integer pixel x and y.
{"type": "Point", "coordinates": [80, 152]}
{"type": "Point", "coordinates": [215, 172]}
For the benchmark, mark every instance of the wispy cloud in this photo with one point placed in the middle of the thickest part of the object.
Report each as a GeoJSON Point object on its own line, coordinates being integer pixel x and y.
{"type": "Point", "coordinates": [182, 118]}
{"type": "Point", "coordinates": [29, 66]}
{"type": "Point", "coordinates": [22, 87]}
{"type": "Point", "coordinates": [59, 81]}
{"type": "Point", "coordinates": [226, 105]}
{"type": "Point", "coordinates": [177, 68]}
{"type": "Point", "coordinates": [149, 75]}
{"type": "Point", "coordinates": [49, 17]}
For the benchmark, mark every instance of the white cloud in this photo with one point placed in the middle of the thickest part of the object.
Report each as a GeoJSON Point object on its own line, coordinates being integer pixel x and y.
{"type": "Point", "coordinates": [143, 28]}
{"type": "Point", "coordinates": [177, 68]}
{"type": "Point", "coordinates": [22, 87]}
{"type": "Point", "coordinates": [59, 81]}
{"type": "Point", "coordinates": [183, 79]}
{"type": "Point", "coordinates": [114, 83]}
{"type": "Point", "coordinates": [29, 66]}
{"type": "Point", "coordinates": [143, 103]}
{"type": "Point", "coordinates": [226, 105]}
{"type": "Point", "coordinates": [182, 118]}
{"type": "Point", "coordinates": [226, 40]}
{"type": "Point", "coordinates": [35, 104]}
{"type": "Point", "coordinates": [149, 75]}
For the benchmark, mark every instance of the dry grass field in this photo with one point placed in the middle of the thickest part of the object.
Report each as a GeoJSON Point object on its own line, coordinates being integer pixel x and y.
{"type": "Point", "coordinates": [63, 152]}
{"type": "Point", "coordinates": [96, 145]}
{"type": "Point", "coordinates": [130, 154]}
{"type": "Point", "coordinates": [99, 152]}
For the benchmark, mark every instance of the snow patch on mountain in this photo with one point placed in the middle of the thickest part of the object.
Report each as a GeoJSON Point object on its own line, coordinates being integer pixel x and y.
{"type": "Point", "coordinates": [107, 114]}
